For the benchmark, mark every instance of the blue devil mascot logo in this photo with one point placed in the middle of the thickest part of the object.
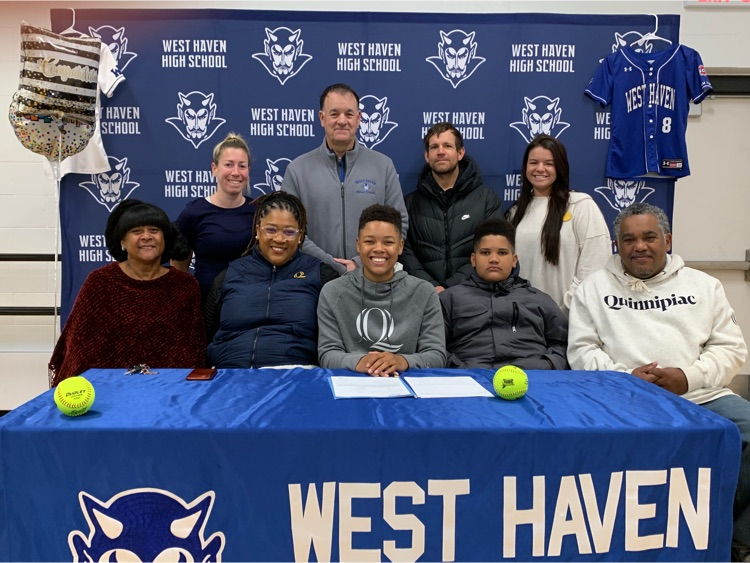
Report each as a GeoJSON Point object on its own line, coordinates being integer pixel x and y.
{"type": "Point", "coordinates": [146, 525]}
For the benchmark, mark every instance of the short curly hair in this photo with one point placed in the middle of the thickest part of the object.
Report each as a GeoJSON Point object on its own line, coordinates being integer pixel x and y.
{"type": "Point", "coordinates": [641, 208]}
{"type": "Point", "coordinates": [378, 212]}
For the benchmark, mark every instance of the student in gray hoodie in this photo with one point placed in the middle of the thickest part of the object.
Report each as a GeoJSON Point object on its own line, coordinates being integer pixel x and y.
{"type": "Point", "coordinates": [373, 319]}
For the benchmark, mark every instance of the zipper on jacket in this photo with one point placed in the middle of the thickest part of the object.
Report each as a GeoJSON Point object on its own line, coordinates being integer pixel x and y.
{"type": "Point", "coordinates": [341, 164]}
{"type": "Point", "coordinates": [515, 316]}
{"type": "Point", "coordinates": [268, 307]}
{"type": "Point", "coordinates": [446, 246]}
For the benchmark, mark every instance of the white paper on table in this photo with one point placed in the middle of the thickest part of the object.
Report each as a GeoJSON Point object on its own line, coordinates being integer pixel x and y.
{"type": "Point", "coordinates": [451, 386]}
{"type": "Point", "coordinates": [290, 366]}
{"type": "Point", "coordinates": [352, 387]}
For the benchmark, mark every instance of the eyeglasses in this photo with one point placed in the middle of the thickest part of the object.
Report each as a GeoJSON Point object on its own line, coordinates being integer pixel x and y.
{"type": "Point", "coordinates": [273, 231]}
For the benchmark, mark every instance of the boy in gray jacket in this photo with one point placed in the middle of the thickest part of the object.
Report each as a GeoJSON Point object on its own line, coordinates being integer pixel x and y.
{"type": "Point", "coordinates": [495, 318]}
{"type": "Point", "coordinates": [373, 319]}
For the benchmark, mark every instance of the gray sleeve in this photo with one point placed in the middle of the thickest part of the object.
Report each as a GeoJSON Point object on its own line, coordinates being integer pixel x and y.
{"type": "Point", "coordinates": [290, 184]}
{"type": "Point", "coordinates": [309, 247]}
{"type": "Point", "coordinates": [394, 196]}
{"type": "Point", "coordinates": [431, 342]}
{"type": "Point", "coordinates": [331, 351]}
{"type": "Point", "coordinates": [446, 308]}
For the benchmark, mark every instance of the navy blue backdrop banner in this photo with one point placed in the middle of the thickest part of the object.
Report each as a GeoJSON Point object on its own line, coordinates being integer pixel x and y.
{"type": "Point", "coordinates": [192, 76]}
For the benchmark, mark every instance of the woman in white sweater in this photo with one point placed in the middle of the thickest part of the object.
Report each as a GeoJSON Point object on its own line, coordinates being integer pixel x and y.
{"type": "Point", "coordinates": [561, 235]}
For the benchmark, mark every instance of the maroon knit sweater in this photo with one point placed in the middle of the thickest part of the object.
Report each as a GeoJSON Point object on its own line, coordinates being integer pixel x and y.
{"type": "Point", "coordinates": [118, 321]}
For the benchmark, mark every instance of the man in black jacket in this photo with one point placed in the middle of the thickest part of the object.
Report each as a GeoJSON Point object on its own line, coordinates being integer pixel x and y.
{"type": "Point", "coordinates": [448, 204]}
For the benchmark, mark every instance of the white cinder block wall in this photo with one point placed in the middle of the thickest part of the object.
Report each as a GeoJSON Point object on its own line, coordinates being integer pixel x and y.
{"type": "Point", "coordinates": [711, 206]}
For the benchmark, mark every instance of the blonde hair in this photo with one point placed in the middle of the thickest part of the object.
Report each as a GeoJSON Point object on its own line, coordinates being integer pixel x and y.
{"type": "Point", "coordinates": [231, 141]}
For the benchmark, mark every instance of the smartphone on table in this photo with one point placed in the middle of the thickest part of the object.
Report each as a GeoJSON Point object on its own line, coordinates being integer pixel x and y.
{"type": "Point", "coordinates": [201, 374]}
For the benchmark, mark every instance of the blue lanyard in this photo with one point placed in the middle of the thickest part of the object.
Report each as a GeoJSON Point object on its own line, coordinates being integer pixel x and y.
{"type": "Point", "coordinates": [341, 164]}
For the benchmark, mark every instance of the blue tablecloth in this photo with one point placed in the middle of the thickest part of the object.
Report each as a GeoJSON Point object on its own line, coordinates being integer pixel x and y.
{"type": "Point", "coordinates": [267, 465]}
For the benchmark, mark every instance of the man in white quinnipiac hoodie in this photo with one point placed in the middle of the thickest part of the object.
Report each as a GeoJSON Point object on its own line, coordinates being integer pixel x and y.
{"type": "Point", "coordinates": [648, 314]}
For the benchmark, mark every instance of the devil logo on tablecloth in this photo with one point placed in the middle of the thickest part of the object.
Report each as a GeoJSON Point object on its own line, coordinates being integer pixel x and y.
{"type": "Point", "coordinates": [146, 525]}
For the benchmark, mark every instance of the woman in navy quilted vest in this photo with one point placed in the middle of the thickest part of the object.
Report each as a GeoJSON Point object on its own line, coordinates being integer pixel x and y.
{"type": "Point", "coordinates": [262, 310]}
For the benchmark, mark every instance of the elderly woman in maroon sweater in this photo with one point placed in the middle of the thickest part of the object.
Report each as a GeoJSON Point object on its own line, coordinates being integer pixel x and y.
{"type": "Point", "coordinates": [135, 310]}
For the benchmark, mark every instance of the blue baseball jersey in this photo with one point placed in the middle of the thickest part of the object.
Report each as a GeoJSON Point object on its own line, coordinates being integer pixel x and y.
{"type": "Point", "coordinates": [650, 95]}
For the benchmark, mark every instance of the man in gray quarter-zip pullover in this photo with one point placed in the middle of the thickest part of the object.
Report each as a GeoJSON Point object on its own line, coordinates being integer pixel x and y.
{"type": "Point", "coordinates": [339, 179]}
